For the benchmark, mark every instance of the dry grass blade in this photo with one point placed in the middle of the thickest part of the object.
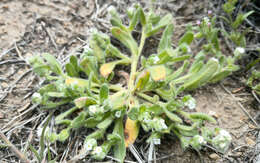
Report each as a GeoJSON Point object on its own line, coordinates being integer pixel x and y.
{"type": "Point", "coordinates": [19, 154]}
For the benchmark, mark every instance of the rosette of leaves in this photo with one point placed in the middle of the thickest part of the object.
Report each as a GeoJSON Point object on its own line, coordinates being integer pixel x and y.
{"type": "Point", "coordinates": [149, 101]}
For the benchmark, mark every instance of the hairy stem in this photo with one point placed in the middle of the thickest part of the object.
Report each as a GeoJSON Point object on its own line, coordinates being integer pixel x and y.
{"type": "Point", "coordinates": [135, 58]}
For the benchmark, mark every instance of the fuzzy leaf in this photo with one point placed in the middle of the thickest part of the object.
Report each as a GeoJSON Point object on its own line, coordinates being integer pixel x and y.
{"type": "Point", "coordinates": [119, 148]}
{"type": "Point", "coordinates": [107, 68]}
{"type": "Point", "coordinates": [126, 39]}
{"type": "Point", "coordinates": [166, 40]}
{"type": "Point", "coordinates": [71, 70]}
{"type": "Point", "coordinates": [158, 73]}
{"type": "Point", "coordinates": [53, 63]}
{"type": "Point", "coordinates": [134, 20]}
{"type": "Point", "coordinates": [240, 18]}
{"type": "Point", "coordinates": [162, 23]}
{"type": "Point", "coordinates": [104, 92]}
{"type": "Point", "coordinates": [142, 17]}
{"type": "Point", "coordinates": [142, 80]}
{"type": "Point", "coordinates": [74, 62]}
{"type": "Point", "coordinates": [203, 76]}
{"type": "Point", "coordinates": [172, 116]}
{"type": "Point", "coordinates": [187, 38]}
{"type": "Point", "coordinates": [79, 121]}
{"type": "Point", "coordinates": [131, 131]}
{"type": "Point", "coordinates": [106, 122]}
{"type": "Point", "coordinates": [89, 65]}
{"type": "Point", "coordinates": [80, 102]}
{"type": "Point", "coordinates": [133, 113]}
{"type": "Point", "coordinates": [64, 134]}
{"type": "Point", "coordinates": [202, 116]}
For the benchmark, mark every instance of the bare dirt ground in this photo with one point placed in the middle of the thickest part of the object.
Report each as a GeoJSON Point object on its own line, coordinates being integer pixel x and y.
{"type": "Point", "coordinates": [60, 27]}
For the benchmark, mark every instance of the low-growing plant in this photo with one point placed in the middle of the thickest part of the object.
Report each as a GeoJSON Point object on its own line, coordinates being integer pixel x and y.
{"type": "Point", "coordinates": [151, 100]}
{"type": "Point", "coordinates": [235, 35]}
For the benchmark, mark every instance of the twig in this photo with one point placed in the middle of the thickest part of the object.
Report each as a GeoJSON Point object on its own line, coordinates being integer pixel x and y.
{"type": "Point", "coordinates": [19, 154]}
{"type": "Point", "coordinates": [11, 61]}
{"type": "Point", "coordinates": [257, 99]}
{"type": "Point", "coordinates": [14, 84]}
{"type": "Point", "coordinates": [241, 106]}
{"type": "Point", "coordinates": [135, 153]}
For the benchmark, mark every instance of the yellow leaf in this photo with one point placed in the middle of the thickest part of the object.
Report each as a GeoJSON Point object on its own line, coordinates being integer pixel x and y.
{"type": "Point", "coordinates": [76, 81]}
{"type": "Point", "coordinates": [158, 72]}
{"type": "Point", "coordinates": [106, 69]}
{"type": "Point", "coordinates": [131, 131]}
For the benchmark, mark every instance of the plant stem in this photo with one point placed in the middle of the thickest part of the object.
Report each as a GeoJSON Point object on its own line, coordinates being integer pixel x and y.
{"type": "Point", "coordinates": [135, 58]}
{"type": "Point", "coordinates": [150, 99]}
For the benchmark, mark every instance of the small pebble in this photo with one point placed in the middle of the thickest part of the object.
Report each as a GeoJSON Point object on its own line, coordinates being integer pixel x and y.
{"type": "Point", "coordinates": [214, 156]}
{"type": "Point", "coordinates": [249, 141]}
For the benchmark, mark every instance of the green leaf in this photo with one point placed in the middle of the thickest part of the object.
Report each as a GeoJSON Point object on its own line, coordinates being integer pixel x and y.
{"type": "Point", "coordinates": [126, 39]}
{"type": "Point", "coordinates": [104, 92]}
{"type": "Point", "coordinates": [142, 17]}
{"type": "Point", "coordinates": [134, 20]}
{"type": "Point", "coordinates": [155, 109]}
{"type": "Point", "coordinates": [133, 113]}
{"type": "Point", "coordinates": [74, 62]}
{"type": "Point", "coordinates": [89, 64]}
{"type": "Point", "coordinates": [166, 40]}
{"type": "Point", "coordinates": [99, 43]}
{"type": "Point", "coordinates": [203, 76]}
{"type": "Point", "coordinates": [202, 116]}
{"type": "Point", "coordinates": [142, 80]}
{"type": "Point", "coordinates": [187, 38]}
{"type": "Point", "coordinates": [223, 73]}
{"type": "Point", "coordinates": [64, 134]}
{"type": "Point", "coordinates": [56, 94]}
{"type": "Point", "coordinates": [61, 116]}
{"type": "Point", "coordinates": [240, 18]}
{"type": "Point", "coordinates": [106, 122]}
{"type": "Point", "coordinates": [115, 52]}
{"type": "Point", "coordinates": [71, 70]}
{"type": "Point", "coordinates": [177, 73]}
{"type": "Point", "coordinates": [53, 63]}
{"type": "Point", "coordinates": [167, 19]}
{"type": "Point", "coordinates": [39, 67]}
{"type": "Point", "coordinates": [79, 121]}
{"type": "Point", "coordinates": [119, 148]}
{"type": "Point", "coordinates": [115, 20]}
{"type": "Point", "coordinates": [172, 116]}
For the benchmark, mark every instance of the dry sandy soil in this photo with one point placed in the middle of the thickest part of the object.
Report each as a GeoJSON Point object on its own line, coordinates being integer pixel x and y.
{"type": "Point", "coordinates": [60, 27]}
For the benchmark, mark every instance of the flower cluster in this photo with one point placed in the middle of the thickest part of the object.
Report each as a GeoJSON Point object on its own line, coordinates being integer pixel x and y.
{"type": "Point", "coordinates": [222, 140]}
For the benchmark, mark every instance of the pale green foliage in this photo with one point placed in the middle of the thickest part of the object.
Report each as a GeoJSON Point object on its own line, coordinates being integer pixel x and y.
{"type": "Point", "coordinates": [150, 98]}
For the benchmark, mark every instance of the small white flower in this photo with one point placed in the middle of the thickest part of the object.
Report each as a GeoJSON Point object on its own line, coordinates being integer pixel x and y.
{"type": "Point", "coordinates": [206, 19]}
{"type": "Point", "coordinates": [97, 150]}
{"type": "Point", "coordinates": [131, 9]}
{"type": "Point", "coordinates": [156, 141]}
{"type": "Point", "coordinates": [225, 134]}
{"type": "Point", "coordinates": [191, 103]}
{"type": "Point", "coordinates": [118, 114]}
{"type": "Point", "coordinates": [146, 120]}
{"type": "Point", "coordinates": [222, 145]}
{"type": "Point", "coordinates": [189, 49]}
{"type": "Point", "coordinates": [240, 50]}
{"type": "Point", "coordinates": [200, 139]}
{"type": "Point", "coordinates": [156, 59]}
{"type": "Point", "coordinates": [162, 122]}
{"type": "Point", "coordinates": [37, 95]}
{"type": "Point", "coordinates": [111, 8]}
{"type": "Point", "coordinates": [92, 109]}
{"type": "Point", "coordinates": [90, 144]}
